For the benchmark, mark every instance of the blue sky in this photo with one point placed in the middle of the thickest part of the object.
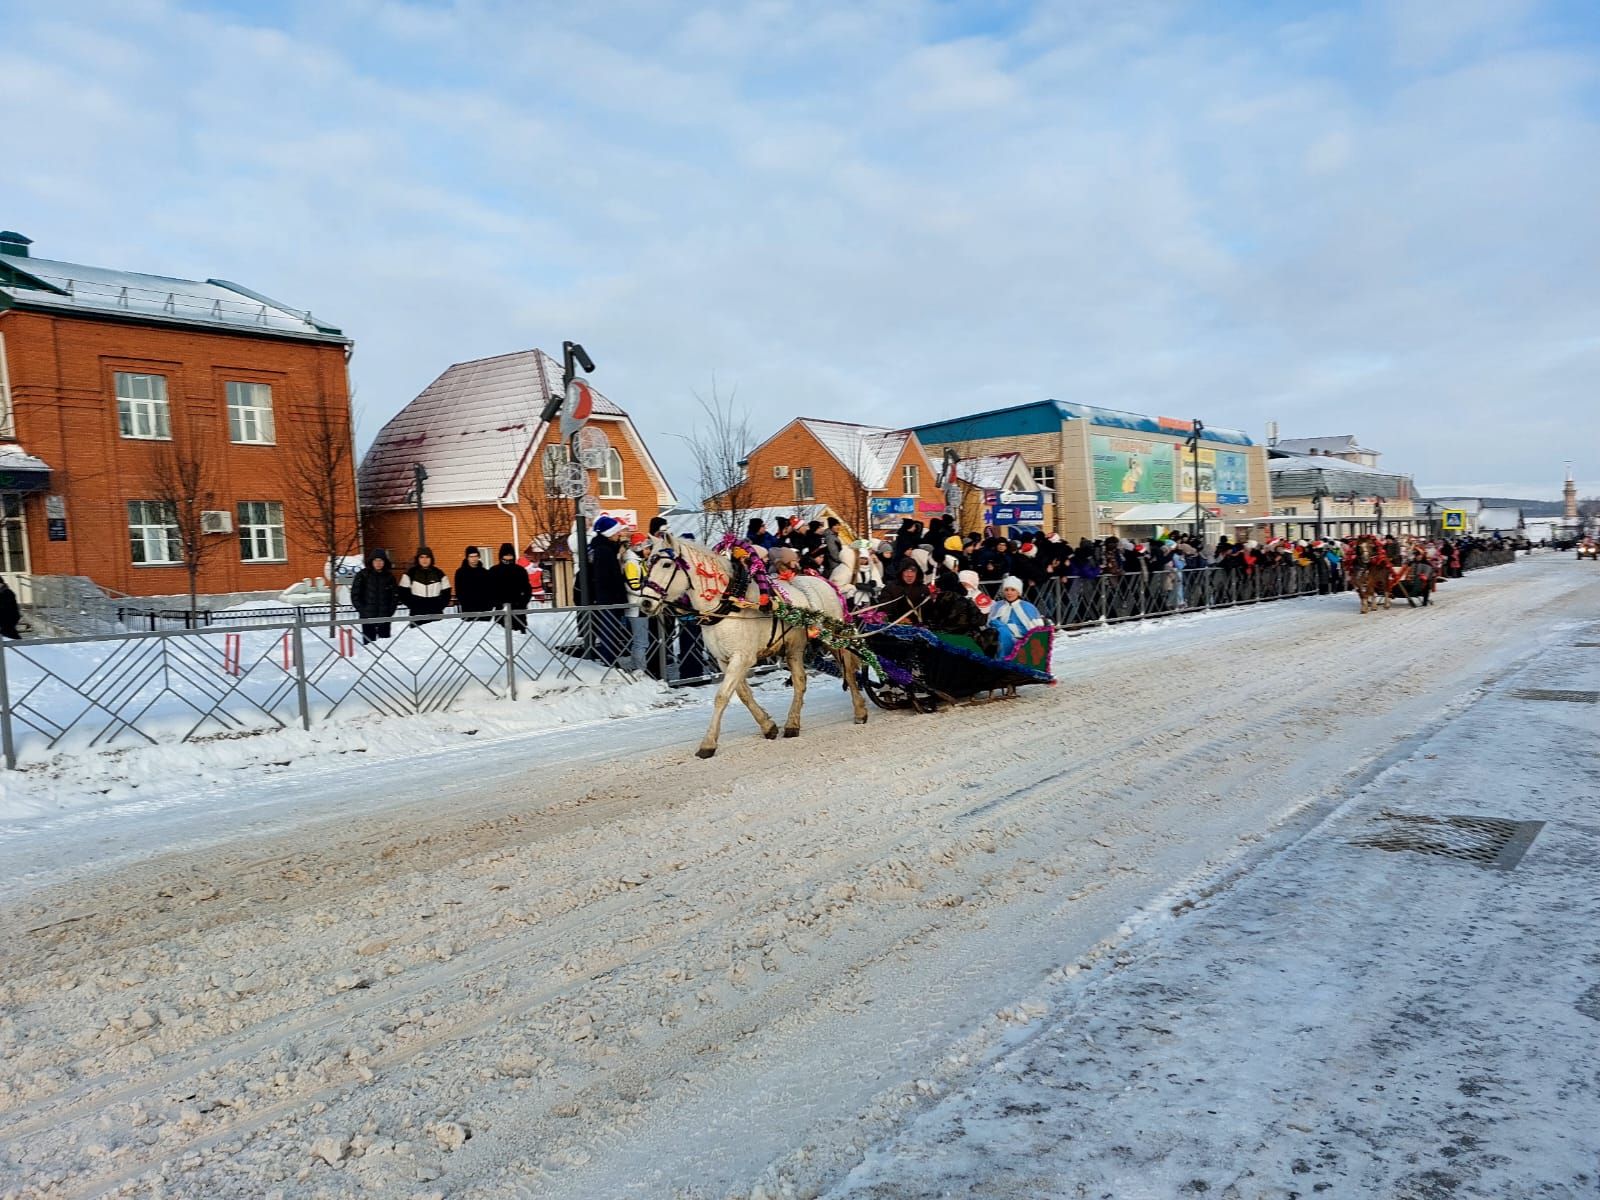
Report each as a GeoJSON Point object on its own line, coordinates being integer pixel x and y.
{"type": "Point", "coordinates": [1371, 218]}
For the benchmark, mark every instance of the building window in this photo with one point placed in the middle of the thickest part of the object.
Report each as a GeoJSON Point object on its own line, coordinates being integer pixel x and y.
{"type": "Point", "coordinates": [611, 477]}
{"type": "Point", "coordinates": [261, 531]}
{"type": "Point", "coordinates": [802, 484]}
{"type": "Point", "coordinates": [13, 535]}
{"type": "Point", "coordinates": [1044, 479]}
{"type": "Point", "coordinates": [910, 480]}
{"type": "Point", "coordinates": [142, 406]}
{"type": "Point", "coordinates": [153, 531]}
{"type": "Point", "coordinates": [250, 413]}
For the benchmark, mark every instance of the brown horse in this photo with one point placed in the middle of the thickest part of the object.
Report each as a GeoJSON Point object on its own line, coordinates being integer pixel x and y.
{"type": "Point", "coordinates": [1369, 572]}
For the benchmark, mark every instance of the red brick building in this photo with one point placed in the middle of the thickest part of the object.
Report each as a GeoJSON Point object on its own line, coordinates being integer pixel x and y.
{"type": "Point", "coordinates": [871, 477]}
{"type": "Point", "coordinates": [492, 465]}
{"type": "Point", "coordinates": [106, 375]}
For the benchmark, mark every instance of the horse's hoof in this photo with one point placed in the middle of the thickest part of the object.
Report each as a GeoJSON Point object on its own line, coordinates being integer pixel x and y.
{"type": "Point", "coordinates": [791, 733]}
{"type": "Point", "coordinates": [771, 734]}
{"type": "Point", "coordinates": [704, 753]}
{"type": "Point", "coordinates": [862, 719]}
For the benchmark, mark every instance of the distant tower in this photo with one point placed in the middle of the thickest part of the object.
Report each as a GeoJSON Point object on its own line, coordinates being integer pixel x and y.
{"type": "Point", "coordinates": [1569, 493]}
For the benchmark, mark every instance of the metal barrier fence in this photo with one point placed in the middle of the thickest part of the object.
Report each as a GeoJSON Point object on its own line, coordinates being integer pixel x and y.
{"type": "Point", "coordinates": [196, 684]}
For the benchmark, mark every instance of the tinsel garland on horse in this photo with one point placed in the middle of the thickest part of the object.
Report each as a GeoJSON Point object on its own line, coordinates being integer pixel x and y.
{"type": "Point", "coordinates": [746, 617]}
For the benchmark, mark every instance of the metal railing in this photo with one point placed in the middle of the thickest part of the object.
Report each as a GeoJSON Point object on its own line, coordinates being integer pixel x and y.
{"type": "Point", "coordinates": [185, 685]}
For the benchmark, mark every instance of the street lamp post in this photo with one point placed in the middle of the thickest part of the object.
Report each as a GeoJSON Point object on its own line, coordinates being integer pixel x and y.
{"type": "Point", "coordinates": [1197, 427]}
{"type": "Point", "coordinates": [419, 476]}
{"type": "Point", "coordinates": [1320, 495]}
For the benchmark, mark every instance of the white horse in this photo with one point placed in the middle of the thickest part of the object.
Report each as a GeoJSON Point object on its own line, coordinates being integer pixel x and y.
{"type": "Point", "coordinates": [684, 575]}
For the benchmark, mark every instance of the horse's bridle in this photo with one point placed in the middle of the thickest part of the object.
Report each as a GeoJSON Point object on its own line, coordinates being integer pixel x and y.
{"type": "Point", "coordinates": [679, 567]}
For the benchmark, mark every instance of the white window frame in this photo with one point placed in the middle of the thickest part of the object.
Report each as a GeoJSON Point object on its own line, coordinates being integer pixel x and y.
{"type": "Point", "coordinates": [1040, 474]}
{"type": "Point", "coordinates": [153, 527]}
{"type": "Point", "coordinates": [807, 492]}
{"type": "Point", "coordinates": [250, 420]}
{"type": "Point", "coordinates": [7, 428]}
{"type": "Point", "coordinates": [910, 480]}
{"type": "Point", "coordinates": [152, 411]}
{"type": "Point", "coordinates": [261, 537]}
{"type": "Point", "coordinates": [610, 476]}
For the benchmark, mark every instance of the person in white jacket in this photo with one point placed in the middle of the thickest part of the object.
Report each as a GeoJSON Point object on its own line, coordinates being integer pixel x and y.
{"type": "Point", "coordinates": [1013, 616]}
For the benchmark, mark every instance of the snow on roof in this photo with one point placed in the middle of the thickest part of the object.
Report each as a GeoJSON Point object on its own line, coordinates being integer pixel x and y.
{"type": "Point", "coordinates": [471, 429]}
{"type": "Point", "coordinates": [1344, 443]}
{"type": "Point", "coordinates": [987, 471]}
{"type": "Point", "coordinates": [1308, 462]}
{"type": "Point", "coordinates": [14, 458]}
{"type": "Point", "coordinates": [40, 283]}
{"type": "Point", "coordinates": [866, 451]}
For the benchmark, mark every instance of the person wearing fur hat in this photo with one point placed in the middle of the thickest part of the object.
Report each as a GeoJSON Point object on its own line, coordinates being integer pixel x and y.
{"type": "Point", "coordinates": [473, 591]}
{"type": "Point", "coordinates": [510, 586]}
{"type": "Point", "coordinates": [903, 597]}
{"type": "Point", "coordinates": [1013, 616]}
{"type": "Point", "coordinates": [424, 588]}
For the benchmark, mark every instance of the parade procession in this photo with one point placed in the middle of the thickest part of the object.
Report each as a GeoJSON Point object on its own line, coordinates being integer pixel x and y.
{"type": "Point", "coordinates": [772, 600]}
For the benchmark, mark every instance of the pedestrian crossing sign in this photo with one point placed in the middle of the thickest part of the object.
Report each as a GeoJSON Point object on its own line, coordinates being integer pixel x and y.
{"type": "Point", "coordinates": [1455, 520]}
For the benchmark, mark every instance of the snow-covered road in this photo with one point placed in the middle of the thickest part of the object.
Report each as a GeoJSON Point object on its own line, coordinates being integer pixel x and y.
{"type": "Point", "coordinates": [588, 964]}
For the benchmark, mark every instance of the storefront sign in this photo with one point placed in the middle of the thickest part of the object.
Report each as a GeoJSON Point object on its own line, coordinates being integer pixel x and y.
{"type": "Point", "coordinates": [893, 506]}
{"type": "Point", "coordinates": [930, 506]}
{"type": "Point", "coordinates": [1013, 508]}
{"type": "Point", "coordinates": [1131, 469]}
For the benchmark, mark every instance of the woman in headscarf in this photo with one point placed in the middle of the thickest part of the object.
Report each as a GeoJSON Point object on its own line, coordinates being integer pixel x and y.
{"type": "Point", "coordinates": [903, 598]}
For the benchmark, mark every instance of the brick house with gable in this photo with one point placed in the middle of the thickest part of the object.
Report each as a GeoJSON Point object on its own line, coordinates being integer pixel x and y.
{"type": "Point", "coordinates": [492, 464]}
{"type": "Point", "coordinates": [105, 374]}
{"type": "Point", "coordinates": [843, 467]}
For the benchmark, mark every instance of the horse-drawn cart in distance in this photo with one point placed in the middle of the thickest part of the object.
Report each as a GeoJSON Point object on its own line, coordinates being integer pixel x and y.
{"type": "Point", "coordinates": [920, 669]}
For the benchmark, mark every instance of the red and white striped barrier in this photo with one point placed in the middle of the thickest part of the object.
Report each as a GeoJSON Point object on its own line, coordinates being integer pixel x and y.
{"type": "Point", "coordinates": [230, 654]}
{"type": "Point", "coordinates": [347, 642]}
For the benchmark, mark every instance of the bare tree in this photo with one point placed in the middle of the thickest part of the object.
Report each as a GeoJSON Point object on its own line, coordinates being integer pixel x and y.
{"type": "Point", "coordinates": [720, 443]}
{"type": "Point", "coordinates": [180, 484]}
{"type": "Point", "coordinates": [551, 514]}
{"type": "Point", "coordinates": [321, 474]}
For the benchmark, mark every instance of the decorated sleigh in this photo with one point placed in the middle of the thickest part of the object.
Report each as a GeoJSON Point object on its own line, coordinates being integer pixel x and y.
{"type": "Point", "coordinates": [920, 670]}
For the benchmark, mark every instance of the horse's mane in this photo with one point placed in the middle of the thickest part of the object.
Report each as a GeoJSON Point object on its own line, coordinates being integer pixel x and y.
{"type": "Point", "coordinates": [694, 554]}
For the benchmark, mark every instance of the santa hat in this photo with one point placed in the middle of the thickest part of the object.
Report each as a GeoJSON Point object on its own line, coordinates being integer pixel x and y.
{"type": "Point", "coordinates": [606, 525]}
{"type": "Point", "coordinates": [1027, 548]}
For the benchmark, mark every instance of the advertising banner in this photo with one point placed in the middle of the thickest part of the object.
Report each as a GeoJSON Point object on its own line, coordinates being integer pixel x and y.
{"type": "Point", "coordinates": [893, 506]}
{"type": "Point", "coordinates": [1013, 508]}
{"type": "Point", "coordinates": [1131, 469]}
{"type": "Point", "coordinates": [1224, 476]}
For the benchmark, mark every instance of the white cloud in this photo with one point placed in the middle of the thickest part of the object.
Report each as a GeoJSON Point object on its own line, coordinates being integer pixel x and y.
{"type": "Point", "coordinates": [843, 212]}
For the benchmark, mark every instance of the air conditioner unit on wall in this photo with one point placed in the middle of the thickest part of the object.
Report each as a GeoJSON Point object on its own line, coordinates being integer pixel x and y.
{"type": "Point", "coordinates": [780, 472]}
{"type": "Point", "coordinates": [216, 521]}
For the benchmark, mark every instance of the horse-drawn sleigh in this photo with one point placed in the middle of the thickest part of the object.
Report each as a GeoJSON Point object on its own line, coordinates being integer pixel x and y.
{"type": "Point", "coordinates": [747, 616]}
{"type": "Point", "coordinates": [1377, 578]}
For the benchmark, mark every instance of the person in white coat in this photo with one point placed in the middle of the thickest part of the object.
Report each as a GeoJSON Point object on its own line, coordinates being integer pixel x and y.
{"type": "Point", "coordinates": [1013, 616]}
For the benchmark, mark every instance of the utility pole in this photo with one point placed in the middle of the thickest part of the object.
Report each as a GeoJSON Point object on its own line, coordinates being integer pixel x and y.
{"type": "Point", "coordinates": [419, 476]}
{"type": "Point", "coordinates": [574, 356]}
{"type": "Point", "coordinates": [1320, 495]}
{"type": "Point", "coordinates": [1197, 427]}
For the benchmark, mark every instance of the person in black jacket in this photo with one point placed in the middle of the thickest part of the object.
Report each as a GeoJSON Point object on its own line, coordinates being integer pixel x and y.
{"type": "Point", "coordinates": [375, 595]}
{"type": "Point", "coordinates": [905, 596]}
{"type": "Point", "coordinates": [510, 587]}
{"type": "Point", "coordinates": [608, 586]}
{"type": "Point", "coordinates": [10, 612]}
{"type": "Point", "coordinates": [473, 591]}
{"type": "Point", "coordinates": [424, 588]}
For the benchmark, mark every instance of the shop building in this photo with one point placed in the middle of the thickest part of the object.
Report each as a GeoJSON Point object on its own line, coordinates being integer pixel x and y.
{"type": "Point", "coordinates": [1333, 487]}
{"type": "Point", "coordinates": [1112, 472]}
{"type": "Point", "coordinates": [111, 380]}
{"type": "Point", "coordinates": [491, 470]}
